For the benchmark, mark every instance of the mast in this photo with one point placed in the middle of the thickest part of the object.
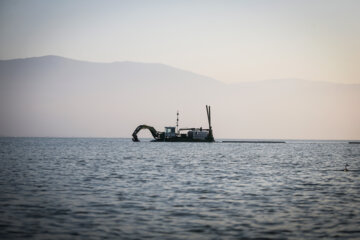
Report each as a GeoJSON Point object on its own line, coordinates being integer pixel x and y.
{"type": "Point", "coordinates": [210, 137]}
{"type": "Point", "coordinates": [177, 121]}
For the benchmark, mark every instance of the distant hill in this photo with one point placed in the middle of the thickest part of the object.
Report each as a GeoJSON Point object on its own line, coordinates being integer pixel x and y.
{"type": "Point", "coordinates": [56, 96]}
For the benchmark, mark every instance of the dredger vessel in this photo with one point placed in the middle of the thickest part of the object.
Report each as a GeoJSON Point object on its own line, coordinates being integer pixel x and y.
{"type": "Point", "coordinates": [174, 134]}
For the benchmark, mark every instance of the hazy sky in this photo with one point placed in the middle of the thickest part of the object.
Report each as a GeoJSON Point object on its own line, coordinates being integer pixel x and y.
{"type": "Point", "coordinates": [227, 40]}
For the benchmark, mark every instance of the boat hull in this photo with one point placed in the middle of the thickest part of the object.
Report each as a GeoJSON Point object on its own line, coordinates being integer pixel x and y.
{"type": "Point", "coordinates": [181, 139]}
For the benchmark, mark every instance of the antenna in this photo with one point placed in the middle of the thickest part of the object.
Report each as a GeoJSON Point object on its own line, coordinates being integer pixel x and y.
{"type": "Point", "coordinates": [177, 121]}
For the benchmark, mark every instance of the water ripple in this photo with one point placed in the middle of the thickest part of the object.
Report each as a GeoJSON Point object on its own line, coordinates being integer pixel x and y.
{"type": "Point", "coordinates": [113, 188]}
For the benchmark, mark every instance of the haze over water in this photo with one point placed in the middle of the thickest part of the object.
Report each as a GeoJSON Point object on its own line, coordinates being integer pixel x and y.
{"type": "Point", "coordinates": [54, 188]}
{"type": "Point", "coordinates": [270, 69]}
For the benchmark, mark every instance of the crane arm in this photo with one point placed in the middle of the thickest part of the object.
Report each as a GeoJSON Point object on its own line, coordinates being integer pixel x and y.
{"type": "Point", "coordinates": [152, 130]}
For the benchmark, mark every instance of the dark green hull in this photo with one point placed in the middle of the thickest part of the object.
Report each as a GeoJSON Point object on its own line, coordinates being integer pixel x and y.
{"type": "Point", "coordinates": [182, 139]}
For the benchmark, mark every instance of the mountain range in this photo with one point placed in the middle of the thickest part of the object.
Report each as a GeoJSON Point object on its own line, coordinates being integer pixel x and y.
{"type": "Point", "coordinates": [53, 96]}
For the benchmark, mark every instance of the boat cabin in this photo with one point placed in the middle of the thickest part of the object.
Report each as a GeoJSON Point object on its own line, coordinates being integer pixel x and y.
{"type": "Point", "coordinates": [170, 132]}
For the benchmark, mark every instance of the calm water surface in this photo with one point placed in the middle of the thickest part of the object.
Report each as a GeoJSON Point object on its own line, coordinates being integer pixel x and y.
{"type": "Point", "coordinates": [53, 188]}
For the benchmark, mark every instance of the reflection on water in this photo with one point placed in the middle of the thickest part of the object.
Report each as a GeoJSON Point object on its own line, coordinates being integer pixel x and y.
{"type": "Point", "coordinates": [114, 188]}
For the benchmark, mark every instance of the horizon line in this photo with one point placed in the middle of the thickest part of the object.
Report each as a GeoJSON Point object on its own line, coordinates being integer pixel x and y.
{"type": "Point", "coordinates": [250, 139]}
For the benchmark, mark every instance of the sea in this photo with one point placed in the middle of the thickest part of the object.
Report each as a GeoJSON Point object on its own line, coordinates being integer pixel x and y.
{"type": "Point", "coordinates": [93, 188]}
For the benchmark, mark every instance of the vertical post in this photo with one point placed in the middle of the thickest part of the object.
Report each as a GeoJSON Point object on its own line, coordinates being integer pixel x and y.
{"type": "Point", "coordinates": [210, 137]}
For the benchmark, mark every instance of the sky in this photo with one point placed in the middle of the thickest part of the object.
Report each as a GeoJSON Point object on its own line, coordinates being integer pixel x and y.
{"type": "Point", "coordinates": [231, 41]}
